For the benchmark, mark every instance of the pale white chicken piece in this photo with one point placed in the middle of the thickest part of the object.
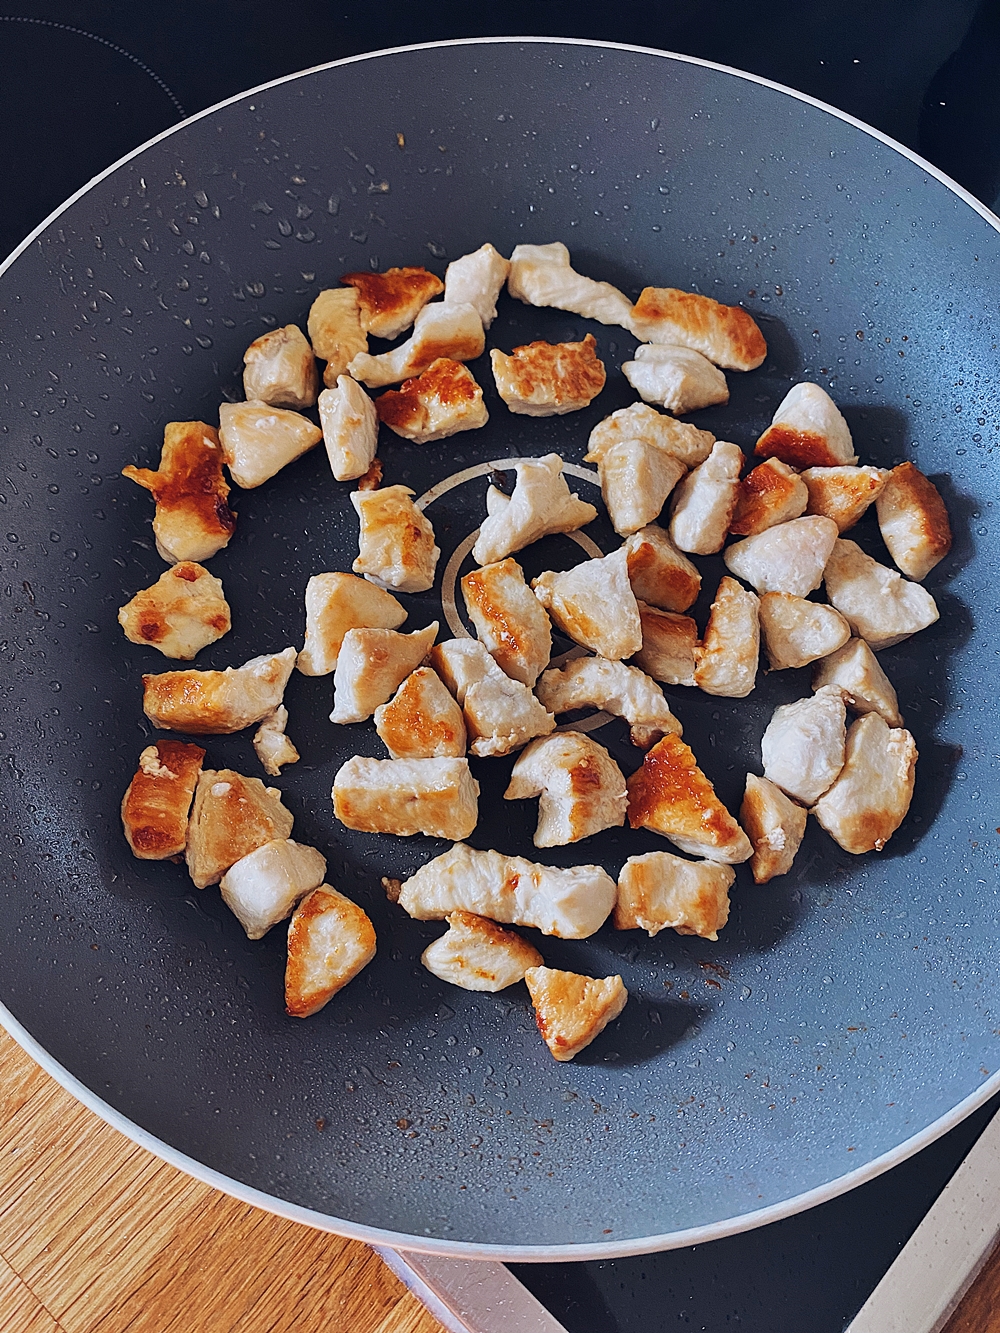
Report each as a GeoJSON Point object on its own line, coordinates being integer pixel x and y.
{"type": "Point", "coordinates": [279, 368]}
{"type": "Point", "coordinates": [541, 503]}
{"type": "Point", "coordinates": [273, 747]}
{"type": "Point", "coordinates": [262, 888]}
{"type": "Point", "coordinates": [571, 1009]}
{"type": "Point", "coordinates": [580, 788]}
{"type": "Point", "coordinates": [442, 401]}
{"type": "Point", "coordinates": [192, 519]}
{"type": "Point", "coordinates": [856, 669]}
{"type": "Point", "coordinates": [669, 646]}
{"type": "Point", "coordinates": [679, 378]}
{"type": "Point", "coordinates": [371, 666]}
{"type": "Point", "coordinates": [541, 275]}
{"type": "Point", "coordinates": [501, 714]}
{"type": "Point", "coordinates": [570, 902]}
{"type": "Point", "coordinates": [797, 631]}
{"type": "Point", "coordinates": [184, 611]}
{"type": "Point", "coordinates": [422, 720]}
{"type": "Point", "coordinates": [231, 817]}
{"type": "Point", "coordinates": [771, 494]}
{"type": "Point", "coordinates": [335, 331]}
{"type": "Point", "coordinates": [640, 422]}
{"type": "Point", "coordinates": [453, 331]}
{"type": "Point", "coordinates": [880, 605]}
{"type": "Point", "coordinates": [788, 558]}
{"type": "Point", "coordinates": [807, 430]}
{"type": "Point", "coordinates": [541, 379]}
{"type": "Point", "coordinates": [336, 603]}
{"type": "Point", "coordinates": [775, 826]}
{"type": "Point", "coordinates": [625, 691]}
{"type": "Point", "coordinates": [843, 493]}
{"type": "Point", "coordinates": [660, 891]}
{"type": "Point", "coordinates": [659, 573]}
{"type": "Point", "coordinates": [390, 301]}
{"type": "Point", "coordinates": [476, 279]}
{"type": "Point", "coordinates": [396, 539]}
{"type": "Point", "coordinates": [462, 663]}
{"type": "Point", "coordinates": [259, 440]}
{"type": "Point", "coordinates": [330, 939]}
{"type": "Point", "coordinates": [870, 798]}
{"type": "Point", "coordinates": [802, 748]}
{"type": "Point", "coordinates": [913, 520]}
{"type": "Point", "coordinates": [439, 797]}
{"type": "Point", "coordinates": [217, 702]}
{"type": "Point", "coordinates": [704, 501]}
{"type": "Point", "coordinates": [509, 619]}
{"type": "Point", "coordinates": [726, 334]}
{"type": "Point", "coordinates": [594, 604]}
{"type": "Point", "coordinates": [350, 428]}
{"type": "Point", "coordinates": [477, 954]}
{"type": "Point", "coordinates": [635, 482]}
{"type": "Point", "coordinates": [726, 662]}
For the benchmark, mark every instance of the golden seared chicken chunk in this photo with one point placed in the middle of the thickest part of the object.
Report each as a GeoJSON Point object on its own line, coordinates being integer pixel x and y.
{"type": "Point", "coordinates": [184, 611]}
{"type": "Point", "coordinates": [371, 666]}
{"type": "Point", "coordinates": [570, 1009]}
{"type": "Point", "coordinates": [802, 748]}
{"type": "Point", "coordinates": [439, 797]}
{"type": "Point", "coordinates": [258, 440]}
{"type": "Point", "coordinates": [726, 334]}
{"type": "Point", "coordinates": [192, 519]}
{"type": "Point", "coordinates": [595, 682]}
{"type": "Point", "coordinates": [543, 379]}
{"type": "Point", "coordinates": [774, 824]}
{"type": "Point", "coordinates": [594, 604]}
{"type": "Point", "coordinates": [501, 714]}
{"type": "Point", "coordinates": [788, 558]}
{"type": "Point", "coordinates": [273, 747]}
{"type": "Point", "coordinates": [771, 494]}
{"type": "Point", "coordinates": [808, 430]}
{"type": "Point", "coordinates": [670, 795]}
{"type": "Point", "coordinates": [261, 888]}
{"type": "Point", "coordinates": [659, 573]}
{"type": "Point", "coordinates": [856, 669]}
{"type": "Point", "coordinates": [452, 331]}
{"type": "Point", "coordinates": [156, 804]}
{"type": "Point", "coordinates": [338, 602]}
{"type": "Point", "coordinates": [396, 539]}
{"type": "Point", "coordinates": [797, 631]}
{"type": "Point", "coordinates": [330, 939]}
{"type": "Point", "coordinates": [215, 703]}
{"type": "Point", "coordinates": [391, 301]}
{"type": "Point", "coordinates": [335, 330]}
{"type": "Point", "coordinates": [476, 279]}
{"type": "Point", "coordinates": [422, 720]}
{"type": "Point", "coordinates": [913, 520]}
{"type": "Point", "coordinates": [641, 422]}
{"type": "Point", "coordinates": [580, 788]}
{"type": "Point", "coordinates": [571, 902]}
{"type": "Point", "coordinates": [660, 891]}
{"type": "Point", "coordinates": [279, 368]}
{"type": "Point", "coordinates": [679, 378]}
{"type": "Point", "coordinates": [726, 662]}
{"type": "Point", "coordinates": [870, 798]}
{"type": "Point", "coordinates": [477, 954]}
{"type": "Point", "coordinates": [541, 275]}
{"type": "Point", "coordinates": [442, 401]}
{"type": "Point", "coordinates": [843, 493]}
{"type": "Point", "coordinates": [704, 501]}
{"type": "Point", "coordinates": [635, 482]}
{"type": "Point", "coordinates": [350, 428]}
{"type": "Point", "coordinates": [669, 646]}
{"type": "Point", "coordinates": [540, 504]}
{"type": "Point", "coordinates": [881, 606]}
{"type": "Point", "coordinates": [231, 817]}
{"type": "Point", "coordinates": [509, 619]}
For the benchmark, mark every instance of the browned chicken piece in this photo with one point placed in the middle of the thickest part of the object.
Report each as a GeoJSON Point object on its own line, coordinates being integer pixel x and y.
{"type": "Point", "coordinates": [775, 826]}
{"type": "Point", "coordinates": [372, 665]}
{"type": "Point", "coordinates": [273, 748]}
{"type": "Point", "coordinates": [232, 816]}
{"type": "Point", "coordinates": [477, 954]}
{"type": "Point", "coordinates": [543, 379]}
{"type": "Point", "coordinates": [216, 703]}
{"type": "Point", "coordinates": [726, 662]}
{"type": "Point", "coordinates": [913, 520]}
{"type": "Point", "coordinates": [880, 605]}
{"type": "Point", "coordinates": [636, 479]}
{"type": "Point", "coordinates": [659, 573]}
{"type": "Point", "coordinates": [772, 493]}
{"type": "Point", "coordinates": [797, 631]}
{"type": "Point", "coordinates": [870, 798]}
{"type": "Point", "coordinates": [660, 431]}
{"type": "Point", "coordinates": [422, 720]}
{"type": "Point", "coordinates": [789, 558]}
{"type": "Point", "coordinates": [703, 503]}
{"type": "Point", "coordinates": [807, 430]}
{"type": "Point", "coordinates": [184, 611]}
{"type": "Point", "coordinates": [442, 401]}
{"type": "Point", "coordinates": [330, 939]}
{"type": "Point", "coordinates": [594, 604]}
{"type": "Point", "coordinates": [192, 519]}
{"type": "Point", "coordinates": [856, 669]}
{"type": "Point", "coordinates": [580, 788]}
{"type": "Point", "coordinates": [156, 804]}
{"type": "Point", "coordinates": [438, 797]}
{"type": "Point", "coordinates": [335, 331]}
{"type": "Point", "coordinates": [336, 603]}
{"type": "Point", "coordinates": [670, 795]}
{"type": "Point", "coordinates": [258, 440]}
{"type": "Point", "coordinates": [390, 301]}
{"type": "Point", "coordinates": [396, 539]}
{"type": "Point", "coordinates": [843, 493]}
{"type": "Point", "coordinates": [279, 368]}
{"type": "Point", "coordinates": [660, 891]}
{"type": "Point", "coordinates": [570, 1009]}
{"type": "Point", "coordinates": [669, 646]}
{"type": "Point", "coordinates": [509, 619]}
{"type": "Point", "coordinates": [726, 334]}
{"type": "Point", "coordinates": [453, 331]}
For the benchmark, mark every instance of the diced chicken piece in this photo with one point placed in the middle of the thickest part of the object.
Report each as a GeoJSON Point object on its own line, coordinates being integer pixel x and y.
{"type": "Point", "coordinates": [771, 494]}
{"type": "Point", "coordinates": [462, 663]}
{"type": "Point", "coordinates": [704, 501]}
{"type": "Point", "coordinates": [391, 301]}
{"type": "Point", "coordinates": [192, 519]}
{"type": "Point", "coordinates": [802, 748]}
{"type": "Point", "coordinates": [273, 747]}
{"type": "Point", "coordinates": [808, 430]}
{"type": "Point", "coordinates": [797, 631]}
{"type": "Point", "coordinates": [262, 888]}
{"type": "Point", "coordinates": [570, 1009]}
{"type": "Point", "coordinates": [595, 682]}
{"type": "Point", "coordinates": [671, 796]}
{"type": "Point", "coordinates": [258, 440]}
{"type": "Point", "coordinates": [880, 605]}
{"type": "Point", "coordinates": [541, 504]}
{"type": "Point", "coordinates": [476, 280]}
{"type": "Point", "coordinates": [635, 482]}
{"type": "Point", "coordinates": [231, 817]}
{"type": "Point", "coordinates": [501, 714]}
{"type": "Point", "coordinates": [350, 428]}
{"type": "Point", "coordinates": [442, 401]}
{"type": "Point", "coordinates": [843, 493]}
{"type": "Point", "coordinates": [913, 520]}
{"type": "Point", "coordinates": [726, 662]}
{"type": "Point", "coordinates": [541, 275]}
{"type": "Point", "coordinates": [279, 368]}
{"type": "Point", "coordinates": [422, 720]}
{"type": "Point", "coordinates": [330, 939]}
{"type": "Point", "coordinates": [477, 954]}
{"type": "Point", "coordinates": [371, 666]}
{"type": "Point", "coordinates": [215, 703]}
{"type": "Point", "coordinates": [659, 573]}
{"type": "Point", "coordinates": [453, 331]}
{"type": "Point", "coordinates": [509, 619]}
{"type": "Point", "coordinates": [335, 331]}
{"type": "Point", "coordinates": [856, 669]}
{"type": "Point", "coordinates": [641, 422]}
{"type": "Point", "coordinates": [580, 788]}
{"type": "Point", "coordinates": [789, 558]}
{"type": "Point", "coordinates": [396, 540]}
{"type": "Point", "coordinates": [336, 603]}
{"type": "Point", "coordinates": [594, 604]}
{"type": "Point", "coordinates": [184, 611]}
{"type": "Point", "coordinates": [775, 826]}
{"type": "Point", "coordinates": [571, 902]}
{"type": "Point", "coordinates": [439, 797]}
{"type": "Point", "coordinates": [870, 798]}
{"type": "Point", "coordinates": [669, 646]}
{"type": "Point", "coordinates": [726, 334]}
{"type": "Point", "coordinates": [660, 891]}
{"type": "Point", "coordinates": [156, 803]}
{"type": "Point", "coordinates": [679, 378]}
{"type": "Point", "coordinates": [541, 379]}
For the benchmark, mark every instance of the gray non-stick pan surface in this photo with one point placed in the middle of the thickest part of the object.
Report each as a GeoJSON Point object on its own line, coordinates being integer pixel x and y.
{"type": "Point", "coordinates": [848, 1012]}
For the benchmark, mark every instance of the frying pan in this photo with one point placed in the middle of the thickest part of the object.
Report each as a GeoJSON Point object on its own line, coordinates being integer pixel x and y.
{"type": "Point", "coordinates": [847, 1015]}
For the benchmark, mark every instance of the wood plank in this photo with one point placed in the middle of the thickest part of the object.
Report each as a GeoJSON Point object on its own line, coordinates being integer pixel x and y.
{"type": "Point", "coordinates": [20, 1311]}
{"type": "Point", "coordinates": [979, 1311]}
